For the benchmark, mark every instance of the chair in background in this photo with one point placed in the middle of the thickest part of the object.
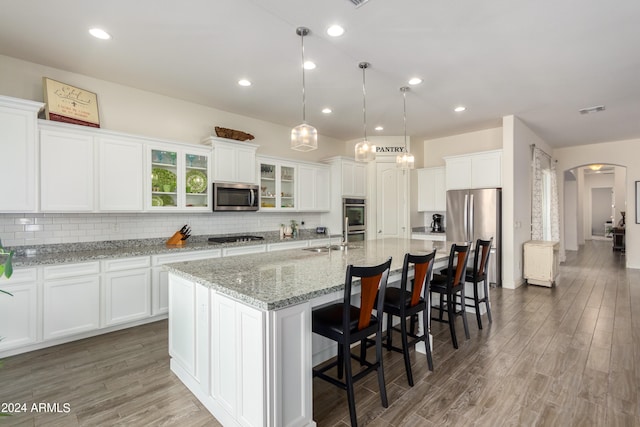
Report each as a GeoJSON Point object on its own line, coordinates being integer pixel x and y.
{"type": "Point", "coordinates": [450, 286]}
{"type": "Point", "coordinates": [346, 324]}
{"type": "Point", "coordinates": [406, 303]}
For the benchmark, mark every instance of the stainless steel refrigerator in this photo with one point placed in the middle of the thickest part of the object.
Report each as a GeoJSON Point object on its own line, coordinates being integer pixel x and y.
{"type": "Point", "coordinates": [477, 214]}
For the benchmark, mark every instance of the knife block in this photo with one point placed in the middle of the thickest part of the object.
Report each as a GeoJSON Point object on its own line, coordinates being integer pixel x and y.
{"type": "Point", "coordinates": [176, 240]}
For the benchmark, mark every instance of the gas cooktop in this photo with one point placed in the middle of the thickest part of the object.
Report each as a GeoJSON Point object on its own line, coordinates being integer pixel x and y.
{"type": "Point", "coordinates": [233, 239]}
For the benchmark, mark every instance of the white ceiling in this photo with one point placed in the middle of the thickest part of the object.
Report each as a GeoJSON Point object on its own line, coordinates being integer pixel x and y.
{"type": "Point", "coordinates": [540, 60]}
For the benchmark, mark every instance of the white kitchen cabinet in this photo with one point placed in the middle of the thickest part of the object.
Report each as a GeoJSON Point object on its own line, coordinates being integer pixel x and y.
{"type": "Point", "coordinates": [71, 299]}
{"type": "Point", "coordinates": [354, 179]}
{"type": "Point", "coordinates": [18, 161]}
{"type": "Point", "coordinates": [178, 178]}
{"type": "Point", "coordinates": [160, 277]}
{"type": "Point", "coordinates": [67, 173]}
{"type": "Point", "coordinates": [233, 161]}
{"type": "Point", "coordinates": [238, 352]}
{"type": "Point", "coordinates": [120, 183]}
{"type": "Point", "coordinates": [348, 177]}
{"type": "Point", "coordinates": [244, 250]}
{"type": "Point", "coordinates": [278, 184]}
{"type": "Point", "coordinates": [475, 170]}
{"type": "Point", "coordinates": [127, 290]}
{"type": "Point", "coordinates": [19, 315]}
{"type": "Point", "coordinates": [314, 188]}
{"type": "Point", "coordinates": [541, 262]}
{"type": "Point", "coordinates": [432, 191]}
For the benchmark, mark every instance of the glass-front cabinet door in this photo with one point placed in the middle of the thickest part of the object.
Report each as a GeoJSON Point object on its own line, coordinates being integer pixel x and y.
{"type": "Point", "coordinates": [164, 179]}
{"type": "Point", "coordinates": [179, 179]}
{"type": "Point", "coordinates": [196, 181]}
{"type": "Point", "coordinates": [277, 186]}
{"type": "Point", "coordinates": [287, 187]}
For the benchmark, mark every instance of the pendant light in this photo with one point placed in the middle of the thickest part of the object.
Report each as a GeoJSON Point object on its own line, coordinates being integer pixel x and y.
{"type": "Point", "coordinates": [304, 137]}
{"type": "Point", "coordinates": [405, 160]}
{"type": "Point", "coordinates": [364, 151]}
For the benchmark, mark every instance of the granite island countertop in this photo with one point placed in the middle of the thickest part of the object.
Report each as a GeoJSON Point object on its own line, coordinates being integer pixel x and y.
{"type": "Point", "coordinates": [30, 256]}
{"type": "Point", "coordinates": [275, 280]}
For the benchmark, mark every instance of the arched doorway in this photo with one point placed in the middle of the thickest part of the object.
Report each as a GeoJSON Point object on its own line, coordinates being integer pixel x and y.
{"type": "Point", "coordinates": [595, 195]}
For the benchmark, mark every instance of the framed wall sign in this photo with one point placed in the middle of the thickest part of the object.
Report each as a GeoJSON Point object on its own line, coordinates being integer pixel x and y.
{"type": "Point", "coordinates": [70, 104]}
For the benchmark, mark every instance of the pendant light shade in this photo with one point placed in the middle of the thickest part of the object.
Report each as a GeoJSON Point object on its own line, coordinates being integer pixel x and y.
{"type": "Point", "coordinates": [405, 160]}
{"type": "Point", "coordinates": [304, 137]}
{"type": "Point", "coordinates": [364, 151]}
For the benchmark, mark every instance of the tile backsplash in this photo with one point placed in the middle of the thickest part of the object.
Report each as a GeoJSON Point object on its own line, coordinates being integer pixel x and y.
{"type": "Point", "coordinates": [53, 228]}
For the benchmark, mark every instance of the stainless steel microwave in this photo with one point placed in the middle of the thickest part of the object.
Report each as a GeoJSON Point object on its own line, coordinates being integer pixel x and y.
{"type": "Point", "coordinates": [235, 197]}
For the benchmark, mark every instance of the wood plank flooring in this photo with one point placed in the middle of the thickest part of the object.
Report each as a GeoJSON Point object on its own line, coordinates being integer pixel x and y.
{"type": "Point", "coordinates": [566, 356]}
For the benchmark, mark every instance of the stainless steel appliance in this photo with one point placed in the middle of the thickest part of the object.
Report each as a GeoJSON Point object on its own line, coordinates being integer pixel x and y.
{"type": "Point", "coordinates": [355, 213]}
{"type": "Point", "coordinates": [477, 214]}
{"type": "Point", "coordinates": [235, 197]}
{"type": "Point", "coordinates": [436, 224]}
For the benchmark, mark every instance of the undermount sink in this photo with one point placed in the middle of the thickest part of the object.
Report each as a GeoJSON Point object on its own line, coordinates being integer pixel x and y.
{"type": "Point", "coordinates": [233, 239]}
{"type": "Point", "coordinates": [324, 248]}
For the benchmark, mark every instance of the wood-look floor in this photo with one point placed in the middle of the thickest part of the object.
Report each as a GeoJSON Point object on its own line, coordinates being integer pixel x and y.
{"type": "Point", "coordinates": [566, 356]}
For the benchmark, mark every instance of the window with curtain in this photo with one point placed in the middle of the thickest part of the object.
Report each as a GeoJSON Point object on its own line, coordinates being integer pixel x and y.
{"type": "Point", "coordinates": [544, 203]}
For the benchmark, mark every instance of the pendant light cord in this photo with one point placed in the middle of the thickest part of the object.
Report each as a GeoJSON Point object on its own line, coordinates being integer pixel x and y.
{"type": "Point", "coordinates": [304, 118]}
{"type": "Point", "coordinates": [364, 66]}
{"type": "Point", "coordinates": [404, 102]}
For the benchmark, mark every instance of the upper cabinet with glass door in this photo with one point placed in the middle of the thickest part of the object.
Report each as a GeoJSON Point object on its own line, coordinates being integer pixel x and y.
{"type": "Point", "coordinates": [179, 179]}
{"type": "Point", "coordinates": [197, 181]}
{"type": "Point", "coordinates": [277, 185]}
{"type": "Point", "coordinates": [164, 178]}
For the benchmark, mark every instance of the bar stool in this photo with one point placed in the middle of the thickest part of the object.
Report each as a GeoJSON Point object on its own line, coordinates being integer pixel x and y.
{"type": "Point", "coordinates": [479, 274]}
{"type": "Point", "coordinates": [346, 324]}
{"type": "Point", "coordinates": [407, 303]}
{"type": "Point", "coordinates": [476, 274]}
{"type": "Point", "coordinates": [450, 286]}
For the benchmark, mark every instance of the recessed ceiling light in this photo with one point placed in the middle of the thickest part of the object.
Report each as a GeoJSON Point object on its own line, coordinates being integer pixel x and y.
{"type": "Point", "coordinates": [459, 108]}
{"type": "Point", "coordinates": [379, 128]}
{"type": "Point", "coordinates": [335, 31]}
{"type": "Point", "coordinates": [589, 110]}
{"type": "Point", "coordinates": [244, 82]}
{"type": "Point", "coordinates": [309, 65]}
{"type": "Point", "coordinates": [327, 110]}
{"type": "Point", "coordinates": [415, 81]}
{"type": "Point", "coordinates": [99, 34]}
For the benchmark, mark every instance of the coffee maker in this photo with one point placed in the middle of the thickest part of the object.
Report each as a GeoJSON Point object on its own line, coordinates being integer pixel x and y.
{"type": "Point", "coordinates": [436, 224]}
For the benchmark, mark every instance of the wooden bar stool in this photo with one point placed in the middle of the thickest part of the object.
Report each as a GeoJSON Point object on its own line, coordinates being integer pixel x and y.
{"type": "Point", "coordinates": [476, 274]}
{"type": "Point", "coordinates": [407, 303]}
{"type": "Point", "coordinates": [450, 286]}
{"type": "Point", "coordinates": [346, 324]}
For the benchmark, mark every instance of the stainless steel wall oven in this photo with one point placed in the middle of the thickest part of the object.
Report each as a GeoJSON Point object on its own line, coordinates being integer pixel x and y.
{"type": "Point", "coordinates": [355, 218]}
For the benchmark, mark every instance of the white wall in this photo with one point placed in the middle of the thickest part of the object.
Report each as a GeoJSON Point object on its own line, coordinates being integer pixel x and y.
{"type": "Point", "coordinates": [592, 181]}
{"type": "Point", "coordinates": [131, 110]}
{"type": "Point", "coordinates": [471, 142]}
{"type": "Point", "coordinates": [621, 153]}
{"type": "Point", "coordinates": [516, 196]}
{"type": "Point", "coordinates": [571, 215]}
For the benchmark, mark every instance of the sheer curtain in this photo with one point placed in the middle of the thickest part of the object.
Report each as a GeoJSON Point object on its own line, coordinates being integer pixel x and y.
{"type": "Point", "coordinates": [545, 223]}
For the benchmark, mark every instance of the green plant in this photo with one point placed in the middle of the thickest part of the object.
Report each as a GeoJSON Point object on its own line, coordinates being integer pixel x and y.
{"type": "Point", "coordinates": [6, 268]}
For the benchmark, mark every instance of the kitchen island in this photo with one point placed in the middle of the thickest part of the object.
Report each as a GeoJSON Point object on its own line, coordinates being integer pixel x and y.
{"type": "Point", "coordinates": [240, 328]}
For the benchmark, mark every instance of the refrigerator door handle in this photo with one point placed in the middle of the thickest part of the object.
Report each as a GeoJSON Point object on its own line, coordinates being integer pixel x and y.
{"type": "Point", "coordinates": [466, 217]}
{"type": "Point", "coordinates": [471, 209]}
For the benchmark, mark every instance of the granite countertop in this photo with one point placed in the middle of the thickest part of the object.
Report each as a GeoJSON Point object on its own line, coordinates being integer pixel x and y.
{"type": "Point", "coordinates": [426, 230]}
{"type": "Point", "coordinates": [275, 280]}
{"type": "Point", "coordinates": [91, 251]}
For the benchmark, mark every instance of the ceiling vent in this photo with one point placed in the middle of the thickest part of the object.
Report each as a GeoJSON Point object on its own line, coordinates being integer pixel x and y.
{"type": "Point", "coordinates": [358, 3]}
{"type": "Point", "coordinates": [592, 110]}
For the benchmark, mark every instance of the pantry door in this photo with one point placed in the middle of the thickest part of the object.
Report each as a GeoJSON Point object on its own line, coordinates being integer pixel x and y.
{"type": "Point", "coordinates": [392, 189]}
